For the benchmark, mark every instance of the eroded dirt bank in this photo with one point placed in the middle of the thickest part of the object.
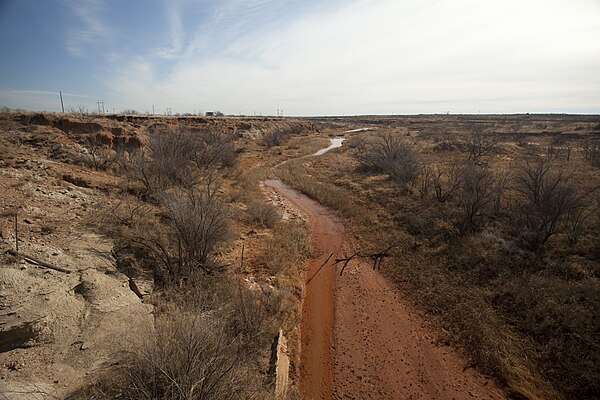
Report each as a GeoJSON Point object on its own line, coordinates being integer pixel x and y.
{"type": "Point", "coordinates": [360, 340]}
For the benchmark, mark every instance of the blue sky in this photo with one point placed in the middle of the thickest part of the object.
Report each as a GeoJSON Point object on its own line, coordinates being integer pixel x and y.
{"type": "Point", "coordinates": [306, 57]}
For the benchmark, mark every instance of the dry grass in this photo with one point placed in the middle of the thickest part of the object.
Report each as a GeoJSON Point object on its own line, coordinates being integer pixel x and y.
{"type": "Point", "coordinates": [286, 249]}
{"type": "Point", "coordinates": [263, 214]}
{"type": "Point", "coordinates": [526, 318]}
{"type": "Point", "coordinates": [336, 198]}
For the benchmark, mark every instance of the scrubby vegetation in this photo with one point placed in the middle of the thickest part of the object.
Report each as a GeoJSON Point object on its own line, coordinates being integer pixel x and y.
{"type": "Point", "coordinates": [495, 237]}
{"type": "Point", "coordinates": [280, 135]}
{"type": "Point", "coordinates": [214, 328]}
{"type": "Point", "coordinates": [493, 225]}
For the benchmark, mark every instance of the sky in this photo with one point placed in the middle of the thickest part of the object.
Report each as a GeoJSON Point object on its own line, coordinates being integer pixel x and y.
{"type": "Point", "coordinates": [302, 57]}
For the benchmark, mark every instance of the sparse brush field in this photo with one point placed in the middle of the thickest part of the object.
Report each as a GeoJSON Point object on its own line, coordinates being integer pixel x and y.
{"type": "Point", "coordinates": [495, 223]}
{"type": "Point", "coordinates": [189, 233]}
{"type": "Point", "coordinates": [492, 225]}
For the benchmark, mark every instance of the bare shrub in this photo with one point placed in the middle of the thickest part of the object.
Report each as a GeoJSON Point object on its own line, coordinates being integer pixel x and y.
{"type": "Point", "coordinates": [391, 154]}
{"type": "Point", "coordinates": [199, 221]}
{"type": "Point", "coordinates": [169, 161]}
{"type": "Point", "coordinates": [213, 149]}
{"type": "Point", "coordinates": [425, 180]}
{"type": "Point", "coordinates": [98, 156]}
{"type": "Point", "coordinates": [547, 195]}
{"type": "Point", "coordinates": [263, 214]}
{"type": "Point", "coordinates": [446, 180]}
{"type": "Point", "coordinates": [475, 195]}
{"type": "Point", "coordinates": [575, 223]}
{"type": "Point", "coordinates": [257, 316]}
{"type": "Point", "coordinates": [209, 340]}
{"type": "Point", "coordinates": [499, 187]}
{"type": "Point", "coordinates": [180, 158]}
{"type": "Point", "coordinates": [481, 142]}
{"type": "Point", "coordinates": [279, 136]}
{"type": "Point", "coordinates": [192, 224]}
{"type": "Point", "coordinates": [188, 357]}
{"type": "Point", "coordinates": [591, 152]}
{"type": "Point", "coordinates": [79, 109]}
{"type": "Point", "coordinates": [355, 141]}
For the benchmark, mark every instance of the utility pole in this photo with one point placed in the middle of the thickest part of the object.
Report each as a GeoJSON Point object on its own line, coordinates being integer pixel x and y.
{"type": "Point", "coordinates": [100, 103]}
{"type": "Point", "coordinates": [152, 109]}
{"type": "Point", "coordinates": [62, 105]}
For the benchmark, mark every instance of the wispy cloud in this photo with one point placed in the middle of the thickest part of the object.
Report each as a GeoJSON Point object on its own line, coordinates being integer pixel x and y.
{"type": "Point", "coordinates": [176, 32]}
{"type": "Point", "coordinates": [45, 93]}
{"type": "Point", "coordinates": [368, 56]}
{"type": "Point", "coordinates": [88, 27]}
{"type": "Point", "coordinates": [39, 99]}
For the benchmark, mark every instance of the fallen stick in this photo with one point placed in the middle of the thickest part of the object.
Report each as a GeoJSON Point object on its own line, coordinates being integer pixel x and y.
{"type": "Point", "coordinates": [317, 271]}
{"type": "Point", "coordinates": [35, 261]}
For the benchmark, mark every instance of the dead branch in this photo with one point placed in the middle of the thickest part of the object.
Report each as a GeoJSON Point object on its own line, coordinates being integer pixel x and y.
{"type": "Point", "coordinates": [346, 261]}
{"type": "Point", "coordinates": [376, 257]}
{"type": "Point", "coordinates": [40, 263]}
{"type": "Point", "coordinates": [317, 271]}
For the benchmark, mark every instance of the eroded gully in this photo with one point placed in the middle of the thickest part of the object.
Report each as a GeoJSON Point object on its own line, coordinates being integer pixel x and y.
{"type": "Point", "coordinates": [359, 338]}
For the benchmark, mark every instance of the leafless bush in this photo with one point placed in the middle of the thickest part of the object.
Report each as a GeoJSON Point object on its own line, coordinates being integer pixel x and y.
{"type": "Point", "coordinates": [547, 195]}
{"type": "Point", "coordinates": [391, 154]}
{"type": "Point", "coordinates": [355, 141]}
{"type": "Point", "coordinates": [561, 152]}
{"type": "Point", "coordinates": [475, 195]}
{"type": "Point", "coordinates": [213, 150]}
{"type": "Point", "coordinates": [78, 109]}
{"type": "Point", "coordinates": [481, 142]}
{"type": "Point", "coordinates": [575, 223]}
{"type": "Point", "coordinates": [130, 111]}
{"type": "Point", "coordinates": [500, 185]}
{"type": "Point", "coordinates": [209, 344]}
{"type": "Point", "coordinates": [170, 160]}
{"type": "Point", "coordinates": [263, 214]}
{"type": "Point", "coordinates": [180, 158]}
{"type": "Point", "coordinates": [446, 180]}
{"type": "Point", "coordinates": [188, 357]}
{"type": "Point", "coordinates": [199, 221]}
{"type": "Point", "coordinates": [520, 137]}
{"type": "Point", "coordinates": [98, 156]}
{"type": "Point", "coordinates": [425, 180]}
{"type": "Point", "coordinates": [591, 152]}
{"type": "Point", "coordinates": [279, 136]}
{"type": "Point", "coordinates": [194, 222]}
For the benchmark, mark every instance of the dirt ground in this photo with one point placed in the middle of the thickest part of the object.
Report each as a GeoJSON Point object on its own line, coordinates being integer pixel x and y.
{"type": "Point", "coordinates": [58, 327]}
{"type": "Point", "coordinates": [360, 340]}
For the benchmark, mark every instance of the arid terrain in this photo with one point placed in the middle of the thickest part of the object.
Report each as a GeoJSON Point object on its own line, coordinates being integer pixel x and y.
{"type": "Point", "coordinates": [188, 257]}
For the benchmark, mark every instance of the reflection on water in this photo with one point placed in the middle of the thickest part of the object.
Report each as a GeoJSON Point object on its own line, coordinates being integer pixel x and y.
{"type": "Point", "coordinates": [335, 143]}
